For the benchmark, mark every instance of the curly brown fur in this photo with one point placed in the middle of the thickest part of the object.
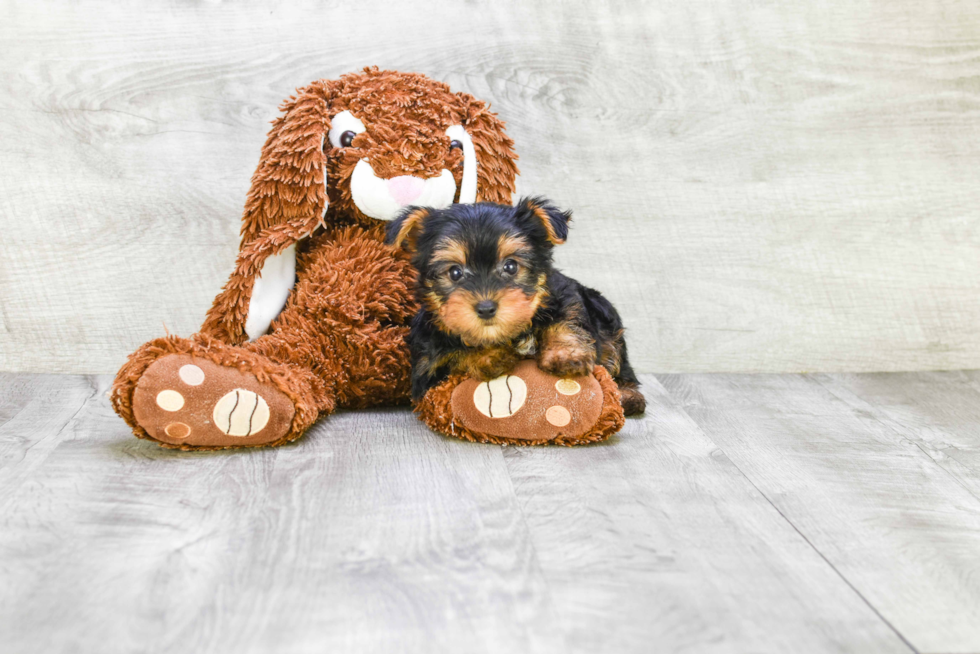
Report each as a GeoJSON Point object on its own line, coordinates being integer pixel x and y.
{"type": "Point", "coordinates": [407, 115]}
{"type": "Point", "coordinates": [341, 338]}
{"type": "Point", "coordinates": [339, 342]}
{"type": "Point", "coordinates": [487, 283]}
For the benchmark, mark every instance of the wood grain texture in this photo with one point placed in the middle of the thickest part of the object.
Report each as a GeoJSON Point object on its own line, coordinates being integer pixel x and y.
{"type": "Point", "coordinates": [34, 411]}
{"type": "Point", "coordinates": [758, 187]}
{"type": "Point", "coordinates": [939, 412]}
{"type": "Point", "coordinates": [898, 527]}
{"type": "Point", "coordinates": [741, 513]}
{"type": "Point", "coordinates": [655, 541]}
{"type": "Point", "coordinates": [370, 535]}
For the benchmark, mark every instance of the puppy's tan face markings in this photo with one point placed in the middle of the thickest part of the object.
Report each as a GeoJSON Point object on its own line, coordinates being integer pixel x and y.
{"type": "Point", "coordinates": [439, 286]}
{"type": "Point", "coordinates": [450, 252]}
{"type": "Point", "coordinates": [514, 314]}
{"type": "Point", "coordinates": [457, 316]}
{"type": "Point", "coordinates": [516, 310]}
{"type": "Point", "coordinates": [516, 296]}
{"type": "Point", "coordinates": [509, 245]}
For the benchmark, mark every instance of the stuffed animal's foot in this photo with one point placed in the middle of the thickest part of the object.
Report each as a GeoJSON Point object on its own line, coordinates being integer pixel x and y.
{"type": "Point", "coordinates": [185, 400]}
{"type": "Point", "coordinates": [526, 407]}
{"type": "Point", "coordinates": [203, 394]}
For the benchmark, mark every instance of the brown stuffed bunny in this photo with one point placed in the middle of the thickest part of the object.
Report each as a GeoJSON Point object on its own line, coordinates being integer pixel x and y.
{"type": "Point", "coordinates": [315, 315]}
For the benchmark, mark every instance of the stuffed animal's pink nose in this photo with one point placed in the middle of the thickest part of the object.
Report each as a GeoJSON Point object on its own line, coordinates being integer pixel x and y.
{"type": "Point", "coordinates": [405, 188]}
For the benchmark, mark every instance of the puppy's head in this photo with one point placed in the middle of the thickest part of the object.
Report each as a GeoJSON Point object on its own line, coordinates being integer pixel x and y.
{"type": "Point", "coordinates": [483, 268]}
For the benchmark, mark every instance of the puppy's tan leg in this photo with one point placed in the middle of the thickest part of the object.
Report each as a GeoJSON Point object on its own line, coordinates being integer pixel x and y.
{"type": "Point", "coordinates": [566, 350]}
{"type": "Point", "coordinates": [488, 363]}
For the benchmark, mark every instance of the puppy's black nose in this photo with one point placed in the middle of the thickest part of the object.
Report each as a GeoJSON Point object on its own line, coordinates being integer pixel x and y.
{"type": "Point", "coordinates": [486, 309]}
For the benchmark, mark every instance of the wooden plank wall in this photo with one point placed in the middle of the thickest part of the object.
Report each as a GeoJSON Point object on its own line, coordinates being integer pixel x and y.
{"type": "Point", "coordinates": [760, 186]}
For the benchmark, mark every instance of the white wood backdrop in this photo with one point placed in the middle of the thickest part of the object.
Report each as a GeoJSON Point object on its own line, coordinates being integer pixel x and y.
{"type": "Point", "coordinates": [759, 186]}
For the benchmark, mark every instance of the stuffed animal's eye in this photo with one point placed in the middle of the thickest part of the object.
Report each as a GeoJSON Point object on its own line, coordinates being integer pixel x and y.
{"type": "Point", "coordinates": [455, 273]}
{"type": "Point", "coordinates": [510, 267]}
{"type": "Point", "coordinates": [343, 128]}
{"type": "Point", "coordinates": [455, 145]}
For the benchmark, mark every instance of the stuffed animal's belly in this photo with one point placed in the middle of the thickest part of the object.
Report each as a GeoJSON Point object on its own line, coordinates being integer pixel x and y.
{"type": "Point", "coordinates": [347, 317]}
{"type": "Point", "coordinates": [350, 275]}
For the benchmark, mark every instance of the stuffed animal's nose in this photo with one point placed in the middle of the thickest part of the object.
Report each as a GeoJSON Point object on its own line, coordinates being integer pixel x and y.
{"type": "Point", "coordinates": [405, 188]}
{"type": "Point", "coordinates": [486, 309]}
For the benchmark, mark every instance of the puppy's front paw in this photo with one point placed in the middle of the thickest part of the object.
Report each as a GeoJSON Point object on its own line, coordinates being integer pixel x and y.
{"type": "Point", "coordinates": [490, 363]}
{"type": "Point", "coordinates": [567, 360]}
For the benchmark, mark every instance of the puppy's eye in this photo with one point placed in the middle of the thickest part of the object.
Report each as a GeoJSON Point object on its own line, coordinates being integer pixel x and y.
{"type": "Point", "coordinates": [455, 273]}
{"type": "Point", "coordinates": [455, 145]}
{"type": "Point", "coordinates": [347, 138]}
{"type": "Point", "coordinates": [510, 267]}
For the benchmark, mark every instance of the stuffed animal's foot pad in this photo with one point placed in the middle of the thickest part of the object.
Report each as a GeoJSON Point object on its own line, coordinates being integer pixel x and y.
{"type": "Point", "coordinates": [501, 397]}
{"type": "Point", "coordinates": [190, 401]}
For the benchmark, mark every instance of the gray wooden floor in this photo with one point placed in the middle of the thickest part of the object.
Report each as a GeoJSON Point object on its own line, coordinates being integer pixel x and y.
{"type": "Point", "coordinates": [790, 513]}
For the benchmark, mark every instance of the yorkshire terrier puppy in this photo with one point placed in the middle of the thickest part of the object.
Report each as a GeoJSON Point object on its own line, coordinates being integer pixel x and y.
{"type": "Point", "coordinates": [491, 297]}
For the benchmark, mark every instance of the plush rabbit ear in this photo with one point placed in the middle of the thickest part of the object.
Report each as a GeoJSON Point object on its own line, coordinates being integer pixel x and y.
{"type": "Point", "coordinates": [554, 220]}
{"type": "Point", "coordinates": [287, 200]}
{"type": "Point", "coordinates": [290, 184]}
{"type": "Point", "coordinates": [403, 232]}
{"type": "Point", "coordinates": [494, 152]}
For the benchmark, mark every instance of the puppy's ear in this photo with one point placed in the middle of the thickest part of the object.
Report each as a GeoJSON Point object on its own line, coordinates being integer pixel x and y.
{"type": "Point", "coordinates": [403, 232]}
{"type": "Point", "coordinates": [554, 220]}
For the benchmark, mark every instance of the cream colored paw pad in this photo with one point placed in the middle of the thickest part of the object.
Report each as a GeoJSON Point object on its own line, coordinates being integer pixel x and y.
{"type": "Point", "coordinates": [567, 386]}
{"type": "Point", "coordinates": [191, 375]}
{"type": "Point", "coordinates": [501, 397]}
{"type": "Point", "coordinates": [170, 400]}
{"type": "Point", "coordinates": [241, 413]}
{"type": "Point", "coordinates": [558, 416]}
